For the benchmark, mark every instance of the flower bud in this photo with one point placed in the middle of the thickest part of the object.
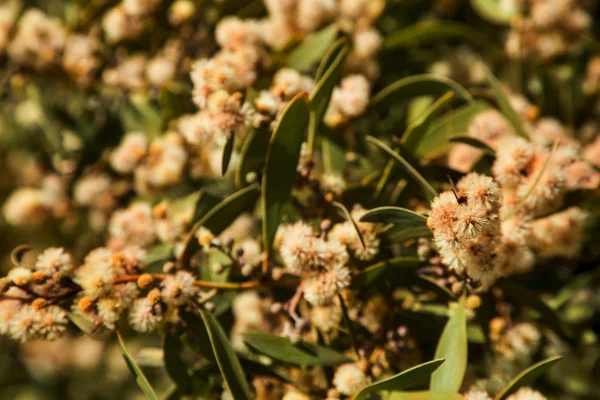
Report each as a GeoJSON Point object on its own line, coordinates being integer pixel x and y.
{"type": "Point", "coordinates": [39, 304]}
{"type": "Point", "coordinates": [85, 304]}
{"type": "Point", "coordinates": [145, 280]}
{"type": "Point", "coordinates": [154, 296]}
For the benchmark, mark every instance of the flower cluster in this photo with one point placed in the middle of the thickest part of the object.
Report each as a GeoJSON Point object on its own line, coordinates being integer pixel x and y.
{"type": "Point", "coordinates": [548, 29]}
{"type": "Point", "coordinates": [149, 159]}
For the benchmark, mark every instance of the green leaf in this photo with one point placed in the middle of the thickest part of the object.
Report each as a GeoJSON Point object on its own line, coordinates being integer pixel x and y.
{"type": "Point", "coordinates": [435, 395]}
{"type": "Point", "coordinates": [402, 234]}
{"type": "Point", "coordinates": [575, 284]}
{"type": "Point", "coordinates": [196, 335]}
{"type": "Point", "coordinates": [526, 377]}
{"type": "Point", "coordinates": [428, 283]}
{"type": "Point", "coordinates": [252, 155]}
{"type": "Point", "coordinates": [453, 347]}
{"type": "Point", "coordinates": [280, 168]}
{"type": "Point", "coordinates": [473, 142]}
{"type": "Point", "coordinates": [454, 123]}
{"type": "Point", "coordinates": [84, 324]}
{"type": "Point", "coordinates": [495, 11]}
{"type": "Point", "coordinates": [319, 98]}
{"type": "Point", "coordinates": [522, 297]}
{"type": "Point", "coordinates": [219, 217]}
{"type": "Point", "coordinates": [330, 57]}
{"type": "Point", "coordinates": [228, 362]}
{"type": "Point", "coordinates": [346, 213]}
{"type": "Point", "coordinates": [368, 275]}
{"type": "Point", "coordinates": [160, 253]}
{"type": "Point", "coordinates": [334, 156]}
{"type": "Point", "coordinates": [227, 151]}
{"type": "Point", "coordinates": [417, 86]}
{"type": "Point", "coordinates": [428, 190]}
{"type": "Point", "coordinates": [140, 378]}
{"type": "Point", "coordinates": [433, 32]}
{"type": "Point", "coordinates": [313, 48]}
{"type": "Point", "coordinates": [174, 364]}
{"type": "Point", "coordinates": [416, 131]}
{"type": "Point", "coordinates": [504, 103]}
{"type": "Point", "coordinates": [303, 353]}
{"type": "Point", "coordinates": [205, 202]}
{"type": "Point", "coordinates": [394, 215]}
{"type": "Point", "coordinates": [401, 381]}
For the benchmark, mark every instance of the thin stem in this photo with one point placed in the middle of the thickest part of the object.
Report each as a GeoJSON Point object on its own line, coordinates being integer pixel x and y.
{"type": "Point", "coordinates": [349, 324]}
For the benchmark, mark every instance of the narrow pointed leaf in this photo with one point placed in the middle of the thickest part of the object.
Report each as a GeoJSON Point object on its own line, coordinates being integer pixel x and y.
{"type": "Point", "coordinates": [281, 163]}
{"type": "Point", "coordinates": [313, 48]}
{"type": "Point", "coordinates": [417, 86]}
{"type": "Point", "coordinates": [252, 155]}
{"type": "Point", "coordinates": [346, 213]}
{"type": "Point", "coordinates": [403, 380]}
{"type": "Point", "coordinates": [428, 190]}
{"type": "Point", "coordinates": [330, 57]}
{"type": "Point", "coordinates": [504, 103]}
{"type": "Point", "coordinates": [319, 98]}
{"type": "Point", "coordinates": [219, 217]}
{"type": "Point", "coordinates": [368, 275]}
{"type": "Point", "coordinates": [495, 11]}
{"type": "Point", "coordinates": [84, 324]}
{"type": "Point", "coordinates": [434, 395]}
{"type": "Point", "coordinates": [140, 378]}
{"type": "Point", "coordinates": [174, 364]}
{"type": "Point", "coordinates": [402, 234]}
{"type": "Point", "coordinates": [334, 156]}
{"type": "Point", "coordinates": [575, 284]}
{"type": "Point", "coordinates": [526, 377]}
{"type": "Point", "coordinates": [455, 123]}
{"type": "Point", "coordinates": [394, 215]}
{"type": "Point", "coordinates": [453, 347]}
{"type": "Point", "coordinates": [196, 335]}
{"type": "Point", "coordinates": [227, 151]}
{"type": "Point", "coordinates": [229, 365]}
{"type": "Point", "coordinates": [416, 131]}
{"type": "Point", "coordinates": [303, 353]}
{"type": "Point", "coordinates": [205, 202]}
{"type": "Point", "coordinates": [433, 32]}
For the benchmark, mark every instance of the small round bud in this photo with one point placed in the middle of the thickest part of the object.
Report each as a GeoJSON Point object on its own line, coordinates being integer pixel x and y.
{"type": "Point", "coordinates": [325, 225]}
{"type": "Point", "coordinates": [85, 304]}
{"type": "Point", "coordinates": [39, 277]}
{"type": "Point", "coordinates": [39, 304]}
{"type": "Point", "coordinates": [209, 305]}
{"type": "Point", "coordinates": [169, 267]}
{"type": "Point", "coordinates": [473, 302]}
{"type": "Point", "coordinates": [247, 269]}
{"type": "Point", "coordinates": [218, 268]}
{"type": "Point", "coordinates": [205, 237]}
{"type": "Point", "coordinates": [277, 273]}
{"type": "Point", "coordinates": [145, 280]}
{"type": "Point", "coordinates": [497, 324]}
{"type": "Point", "coordinates": [457, 287]}
{"type": "Point", "coordinates": [154, 297]}
{"type": "Point", "coordinates": [251, 177]}
{"type": "Point", "coordinates": [329, 197]}
{"type": "Point", "coordinates": [160, 210]}
{"type": "Point", "coordinates": [276, 308]}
